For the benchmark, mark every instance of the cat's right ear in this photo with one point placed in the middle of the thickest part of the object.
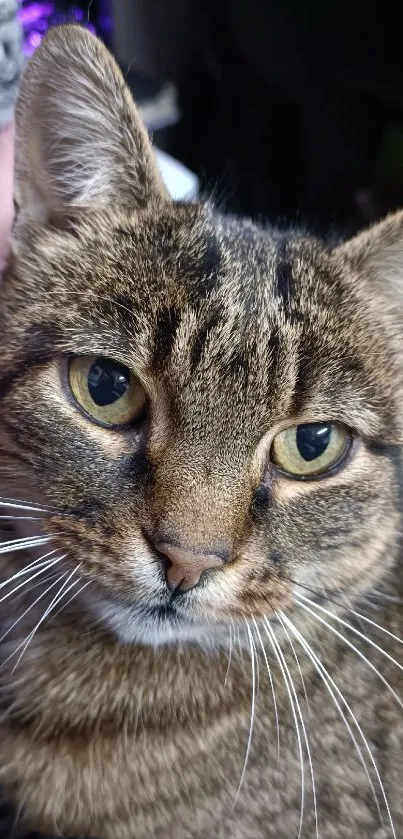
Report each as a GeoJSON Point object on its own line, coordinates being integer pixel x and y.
{"type": "Point", "coordinates": [80, 142]}
{"type": "Point", "coordinates": [376, 255]}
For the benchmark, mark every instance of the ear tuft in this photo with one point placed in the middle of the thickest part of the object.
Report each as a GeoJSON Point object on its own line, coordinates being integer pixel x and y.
{"type": "Point", "coordinates": [80, 143]}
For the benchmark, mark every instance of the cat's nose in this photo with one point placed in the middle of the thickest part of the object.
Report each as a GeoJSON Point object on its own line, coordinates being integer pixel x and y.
{"type": "Point", "coordinates": [183, 568]}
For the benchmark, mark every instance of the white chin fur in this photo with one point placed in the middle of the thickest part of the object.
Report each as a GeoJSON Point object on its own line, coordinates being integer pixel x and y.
{"type": "Point", "coordinates": [132, 625]}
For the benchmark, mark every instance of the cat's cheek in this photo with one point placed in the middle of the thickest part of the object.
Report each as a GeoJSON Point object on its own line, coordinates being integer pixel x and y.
{"type": "Point", "coordinates": [352, 556]}
{"type": "Point", "coordinates": [117, 568]}
{"type": "Point", "coordinates": [352, 571]}
{"type": "Point", "coordinates": [251, 587]}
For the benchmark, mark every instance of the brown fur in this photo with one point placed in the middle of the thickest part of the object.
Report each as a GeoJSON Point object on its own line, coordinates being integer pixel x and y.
{"type": "Point", "coordinates": [116, 722]}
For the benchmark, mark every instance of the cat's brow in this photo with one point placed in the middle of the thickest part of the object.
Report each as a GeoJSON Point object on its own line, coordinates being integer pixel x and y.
{"type": "Point", "coordinates": [346, 406]}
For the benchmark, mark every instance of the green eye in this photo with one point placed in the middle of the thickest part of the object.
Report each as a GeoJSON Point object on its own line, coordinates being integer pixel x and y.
{"type": "Point", "coordinates": [106, 390]}
{"type": "Point", "coordinates": [310, 449]}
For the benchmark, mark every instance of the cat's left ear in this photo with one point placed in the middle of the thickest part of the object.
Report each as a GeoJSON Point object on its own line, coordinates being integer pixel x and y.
{"type": "Point", "coordinates": [376, 255]}
{"type": "Point", "coordinates": [80, 142]}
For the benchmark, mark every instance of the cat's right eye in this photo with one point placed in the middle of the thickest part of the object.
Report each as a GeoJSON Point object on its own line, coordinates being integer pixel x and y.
{"type": "Point", "coordinates": [311, 449]}
{"type": "Point", "coordinates": [106, 390]}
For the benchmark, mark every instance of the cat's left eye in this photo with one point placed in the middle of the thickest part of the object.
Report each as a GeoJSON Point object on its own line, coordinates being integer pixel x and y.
{"type": "Point", "coordinates": [106, 390]}
{"type": "Point", "coordinates": [311, 449]}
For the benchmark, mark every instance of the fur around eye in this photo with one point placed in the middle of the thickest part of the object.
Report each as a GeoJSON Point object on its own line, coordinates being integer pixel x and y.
{"type": "Point", "coordinates": [106, 390]}
{"type": "Point", "coordinates": [310, 449]}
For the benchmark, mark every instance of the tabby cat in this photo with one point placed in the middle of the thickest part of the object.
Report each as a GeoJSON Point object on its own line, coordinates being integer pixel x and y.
{"type": "Point", "coordinates": [201, 428]}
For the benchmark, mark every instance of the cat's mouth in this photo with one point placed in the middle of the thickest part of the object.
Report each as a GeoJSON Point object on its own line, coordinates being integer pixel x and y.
{"type": "Point", "coordinates": [152, 623]}
{"type": "Point", "coordinates": [166, 612]}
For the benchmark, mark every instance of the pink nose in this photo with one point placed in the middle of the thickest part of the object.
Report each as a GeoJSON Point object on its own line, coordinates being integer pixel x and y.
{"type": "Point", "coordinates": [185, 568]}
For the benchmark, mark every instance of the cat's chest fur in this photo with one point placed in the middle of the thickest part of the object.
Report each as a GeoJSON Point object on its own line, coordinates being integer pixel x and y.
{"type": "Point", "coordinates": [144, 762]}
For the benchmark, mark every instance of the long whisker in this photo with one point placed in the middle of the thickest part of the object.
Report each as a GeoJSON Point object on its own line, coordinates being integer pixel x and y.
{"type": "Point", "coordinates": [278, 653]}
{"type": "Point", "coordinates": [257, 665]}
{"type": "Point", "coordinates": [336, 597]}
{"type": "Point", "coordinates": [26, 569]}
{"type": "Point", "coordinates": [40, 581]}
{"type": "Point", "coordinates": [15, 651]}
{"type": "Point", "coordinates": [23, 544]}
{"type": "Point", "coordinates": [294, 652]}
{"type": "Point", "coordinates": [273, 693]}
{"type": "Point", "coordinates": [21, 540]}
{"type": "Point", "coordinates": [230, 653]}
{"type": "Point", "coordinates": [20, 518]}
{"type": "Point", "coordinates": [333, 689]}
{"type": "Point", "coordinates": [43, 566]}
{"type": "Point", "coordinates": [354, 629]}
{"type": "Point", "coordinates": [352, 646]}
{"type": "Point", "coordinates": [377, 626]}
{"type": "Point", "coordinates": [70, 600]}
{"type": "Point", "coordinates": [306, 738]}
{"type": "Point", "coordinates": [58, 596]}
{"type": "Point", "coordinates": [15, 503]}
{"type": "Point", "coordinates": [252, 712]}
{"type": "Point", "coordinates": [21, 617]}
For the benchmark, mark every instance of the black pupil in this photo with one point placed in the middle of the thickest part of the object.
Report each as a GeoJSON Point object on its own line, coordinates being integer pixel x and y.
{"type": "Point", "coordinates": [313, 439]}
{"type": "Point", "coordinates": [107, 381]}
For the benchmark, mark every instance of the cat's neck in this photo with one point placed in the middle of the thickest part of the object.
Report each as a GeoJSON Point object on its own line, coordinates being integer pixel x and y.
{"type": "Point", "coordinates": [70, 679]}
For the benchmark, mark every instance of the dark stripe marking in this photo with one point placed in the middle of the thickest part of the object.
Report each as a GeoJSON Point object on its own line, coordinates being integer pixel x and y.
{"type": "Point", "coordinates": [41, 342]}
{"type": "Point", "coordinates": [167, 324]}
{"type": "Point", "coordinates": [283, 276]}
{"type": "Point", "coordinates": [199, 341]}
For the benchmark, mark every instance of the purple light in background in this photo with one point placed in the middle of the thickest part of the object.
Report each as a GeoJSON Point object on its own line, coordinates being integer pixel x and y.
{"type": "Point", "coordinates": [35, 39]}
{"type": "Point", "coordinates": [42, 25]}
{"type": "Point", "coordinates": [36, 18]}
{"type": "Point", "coordinates": [28, 15]}
{"type": "Point", "coordinates": [78, 14]}
{"type": "Point", "coordinates": [32, 42]}
{"type": "Point", "coordinates": [106, 22]}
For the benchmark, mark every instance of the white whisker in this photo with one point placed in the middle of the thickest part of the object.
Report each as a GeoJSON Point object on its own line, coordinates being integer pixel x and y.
{"type": "Point", "coordinates": [70, 600]}
{"type": "Point", "coordinates": [297, 663]}
{"type": "Point", "coordinates": [23, 545]}
{"type": "Point", "coordinates": [15, 504]}
{"type": "Point", "coordinates": [43, 566]}
{"type": "Point", "coordinates": [308, 750]}
{"type": "Point", "coordinates": [40, 581]}
{"type": "Point", "coordinates": [20, 518]}
{"type": "Point", "coordinates": [21, 617]}
{"type": "Point", "coordinates": [252, 712]}
{"type": "Point", "coordinates": [58, 596]}
{"type": "Point", "coordinates": [22, 540]}
{"type": "Point", "coordinates": [15, 651]}
{"type": "Point", "coordinates": [352, 629]}
{"type": "Point", "coordinates": [26, 569]}
{"type": "Point", "coordinates": [352, 646]}
{"type": "Point", "coordinates": [275, 708]}
{"type": "Point", "coordinates": [277, 650]}
{"type": "Point", "coordinates": [333, 689]}
{"type": "Point", "coordinates": [230, 653]}
{"type": "Point", "coordinates": [377, 626]}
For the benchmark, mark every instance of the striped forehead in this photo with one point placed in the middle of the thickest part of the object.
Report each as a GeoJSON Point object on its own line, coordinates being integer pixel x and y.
{"type": "Point", "coordinates": [215, 306]}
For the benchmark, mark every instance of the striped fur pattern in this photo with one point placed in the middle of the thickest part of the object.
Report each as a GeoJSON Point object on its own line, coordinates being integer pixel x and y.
{"type": "Point", "coordinates": [127, 713]}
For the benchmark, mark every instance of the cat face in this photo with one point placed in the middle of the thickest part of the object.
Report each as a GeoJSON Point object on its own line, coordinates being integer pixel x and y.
{"type": "Point", "coordinates": [211, 409]}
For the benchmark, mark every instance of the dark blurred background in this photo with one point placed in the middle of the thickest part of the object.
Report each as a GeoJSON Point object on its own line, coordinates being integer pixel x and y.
{"type": "Point", "coordinates": [289, 110]}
